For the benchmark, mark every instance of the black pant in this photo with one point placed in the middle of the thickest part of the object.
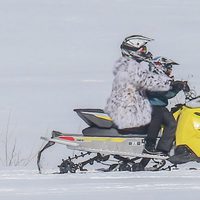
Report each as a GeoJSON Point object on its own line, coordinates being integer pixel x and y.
{"type": "Point", "coordinates": [162, 116]}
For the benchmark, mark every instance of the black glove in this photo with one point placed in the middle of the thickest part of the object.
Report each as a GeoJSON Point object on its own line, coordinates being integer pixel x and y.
{"type": "Point", "coordinates": [178, 85]}
{"type": "Point", "coordinates": [186, 87]}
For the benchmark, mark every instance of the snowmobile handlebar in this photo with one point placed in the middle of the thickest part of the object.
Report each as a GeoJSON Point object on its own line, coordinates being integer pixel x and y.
{"type": "Point", "coordinates": [191, 95]}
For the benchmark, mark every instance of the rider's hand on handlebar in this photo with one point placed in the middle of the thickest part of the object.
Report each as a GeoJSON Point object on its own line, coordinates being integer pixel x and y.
{"type": "Point", "coordinates": [180, 85]}
{"type": "Point", "coordinates": [186, 87]}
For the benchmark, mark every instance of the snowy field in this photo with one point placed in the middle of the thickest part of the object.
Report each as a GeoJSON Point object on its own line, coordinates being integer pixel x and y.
{"type": "Point", "coordinates": [57, 55]}
{"type": "Point", "coordinates": [17, 184]}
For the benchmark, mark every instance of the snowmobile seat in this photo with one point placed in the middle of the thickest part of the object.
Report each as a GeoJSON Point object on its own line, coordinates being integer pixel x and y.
{"type": "Point", "coordinates": [100, 124]}
{"type": "Point", "coordinates": [112, 132]}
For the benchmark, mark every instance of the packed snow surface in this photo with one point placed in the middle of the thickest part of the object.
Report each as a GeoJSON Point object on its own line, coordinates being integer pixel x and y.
{"type": "Point", "coordinates": [58, 55]}
{"type": "Point", "coordinates": [20, 184]}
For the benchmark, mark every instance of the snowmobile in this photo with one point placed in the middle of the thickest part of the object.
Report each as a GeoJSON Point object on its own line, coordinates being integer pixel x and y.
{"type": "Point", "coordinates": [124, 148]}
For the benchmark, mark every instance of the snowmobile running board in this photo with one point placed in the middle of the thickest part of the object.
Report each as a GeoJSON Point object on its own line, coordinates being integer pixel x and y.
{"type": "Point", "coordinates": [106, 152]}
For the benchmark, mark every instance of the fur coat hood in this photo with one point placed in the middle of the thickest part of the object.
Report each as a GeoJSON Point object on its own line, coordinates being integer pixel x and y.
{"type": "Point", "coordinates": [128, 105]}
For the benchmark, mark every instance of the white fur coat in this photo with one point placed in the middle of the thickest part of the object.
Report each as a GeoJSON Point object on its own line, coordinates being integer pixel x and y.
{"type": "Point", "coordinates": [127, 105]}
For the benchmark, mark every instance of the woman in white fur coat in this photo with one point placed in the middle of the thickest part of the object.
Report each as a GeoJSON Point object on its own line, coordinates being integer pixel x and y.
{"type": "Point", "coordinates": [128, 105]}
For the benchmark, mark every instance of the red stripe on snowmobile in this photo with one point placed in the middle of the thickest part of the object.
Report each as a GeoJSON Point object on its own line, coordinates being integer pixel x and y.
{"type": "Point", "coordinates": [67, 138]}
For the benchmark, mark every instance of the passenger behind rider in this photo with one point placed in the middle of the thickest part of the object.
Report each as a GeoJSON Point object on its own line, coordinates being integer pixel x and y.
{"type": "Point", "coordinates": [128, 105]}
{"type": "Point", "coordinates": [160, 114]}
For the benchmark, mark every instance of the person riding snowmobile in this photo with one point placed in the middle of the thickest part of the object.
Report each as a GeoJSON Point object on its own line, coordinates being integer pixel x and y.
{"type": "Point", "coordinates": [128, 106]}
{"type": "Point", "coordinates": [160, 114]}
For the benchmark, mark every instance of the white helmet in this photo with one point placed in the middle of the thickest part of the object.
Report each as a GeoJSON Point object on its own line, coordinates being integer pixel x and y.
{"type": "Point", "coordinates": [135, 47]}
{"type": "Point", "coordinates": [164, 64]}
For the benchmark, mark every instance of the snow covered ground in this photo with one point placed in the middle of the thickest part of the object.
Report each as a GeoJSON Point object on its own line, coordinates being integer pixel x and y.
{"type": "Point", "coordinates": [57, 55]}
{"type": "Point", "coordinates": [17, 184]}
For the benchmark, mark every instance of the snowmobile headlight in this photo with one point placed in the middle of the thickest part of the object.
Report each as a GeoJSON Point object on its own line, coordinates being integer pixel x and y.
{"type": "Point", "coordinates": [196, 125]}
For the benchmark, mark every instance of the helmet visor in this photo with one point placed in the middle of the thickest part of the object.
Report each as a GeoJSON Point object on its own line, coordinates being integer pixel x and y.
{"type": "Point", "coordinates": [143, 49]}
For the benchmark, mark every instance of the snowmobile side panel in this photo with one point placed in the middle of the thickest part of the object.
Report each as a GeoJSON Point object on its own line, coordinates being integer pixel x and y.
{"type": "Point", "coordinates": [96, 144]}
{"type": "Point", "coordinates": [188, 129]}
{"type": "Point", "coordinates": [106, 145]}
